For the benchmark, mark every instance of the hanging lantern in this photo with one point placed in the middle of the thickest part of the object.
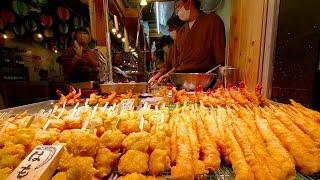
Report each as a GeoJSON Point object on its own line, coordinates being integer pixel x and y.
{"type": "Point", "coordinates": [20, 8]}
{"type": "Point", "coordinates": [37, 37]}
{"type": "Point", "coordinates": [9, 34]}
{"type": "Point", "coordinates": [63, 42]}
{"type": "Point", "coordinates": [30, 25]}
{"type": "Point", "coordinates": [63, 13]}
{"type": "Point", "coordinates": [40, 2]}
{"type": "Point", "coordinates": [8, 17]}
{"type": "Point", "coordinates": [19, 29]}
{"type": "Point", "coordinates": [48, 33]}
{"type": "Point", "coordinates": [46, 21]}
{"type": "Point", "coordinates": [63, 28]}
{"type": "Point", "coordinates": [78, 22]}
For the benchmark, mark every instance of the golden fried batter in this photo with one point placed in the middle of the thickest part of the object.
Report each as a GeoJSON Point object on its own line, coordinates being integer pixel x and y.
{"type": "Point", "coordinates": [133, 161]}
{"type": "Point", "coordinates": [137, 141]}
{"type": "Point", "coordinates": [105, 161]}
{"type": "Point", "coordinates": [159, 162]}
{"type": "Point", "coordinates": [112, 139]}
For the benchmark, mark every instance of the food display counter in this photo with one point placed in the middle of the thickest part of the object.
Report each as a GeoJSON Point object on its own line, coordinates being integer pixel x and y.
{"type": "Point", "coordinates": [218, 134]}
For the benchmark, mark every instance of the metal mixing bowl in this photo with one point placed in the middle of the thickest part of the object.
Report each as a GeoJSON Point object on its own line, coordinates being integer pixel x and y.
{"type": "Point", "coordinates": [190, 81]}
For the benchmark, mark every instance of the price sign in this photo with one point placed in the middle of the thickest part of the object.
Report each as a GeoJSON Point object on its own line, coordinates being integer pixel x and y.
{"type": "Point", "coordinates": [127, 104]}
{"type": "Point", "coordinates": [41, 163]}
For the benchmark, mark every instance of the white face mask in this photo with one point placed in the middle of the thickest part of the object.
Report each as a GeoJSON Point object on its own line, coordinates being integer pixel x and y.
{"type": "Point", "coordinates": [184, 14]}
{"type": "Point", "coordinates": [173, 34]}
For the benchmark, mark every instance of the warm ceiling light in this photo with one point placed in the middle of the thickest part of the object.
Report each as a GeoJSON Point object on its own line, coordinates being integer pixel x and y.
{"type": "Point", "coordinates": [113, 30]}
{"type": "Point", "coordinates": [143, 3]}
{"type": "Point", "coordinates": [119, 35]}
{"type": "Point", "coordinates": [5, 36]}
{"type": "Point", "coordinates": [39, 35]}
{"type": "Point", "coordinates": [55, 51]}
{"type": "Point", "coordinates": [123, 39]}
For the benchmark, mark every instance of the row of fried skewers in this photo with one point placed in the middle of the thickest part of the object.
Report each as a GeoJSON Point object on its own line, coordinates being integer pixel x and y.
{"type": "Point", "coordinates": [260, 142]}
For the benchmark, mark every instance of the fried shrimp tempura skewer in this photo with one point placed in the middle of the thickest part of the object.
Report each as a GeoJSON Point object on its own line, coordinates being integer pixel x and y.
{"type": "Point", "coordinates": [309, 127]}
{"type": "Point", "coordinates": [211, 156]}
{"type": "Point", "coordinates": [306, 111]}
{"type": "Point", "coordinates": [276, 149]}
{"type": "Point", "coordinates": [184, 162]}
{"type": "Point", "coordinates": [241, 168]}
{"type": "Point", "coordinates": [258, 167]}
{"type": "Point", "coordinates": [303, 158]}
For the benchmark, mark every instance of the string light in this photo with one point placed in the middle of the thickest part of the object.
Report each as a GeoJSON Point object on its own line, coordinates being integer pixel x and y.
{"type": "Point", "coordinates": [119, 35]}
{"type": "Point", "coordinates": [123, 39]}
{"type": "Point", "coordinates": [39, 35]}
{"type": "Point", "coordinates": [143, 3]}
{"type": "Point", "coordinates": [113, 30]}
{"type": "Point", "coordinates": [55, 51]}
{"type": "Point", "coordinates": [5, 36]}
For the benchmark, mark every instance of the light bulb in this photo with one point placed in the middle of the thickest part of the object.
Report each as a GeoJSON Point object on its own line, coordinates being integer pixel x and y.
{"type": "Point", "coordinates": [123, 39]}
{"type": "Point", "coordinates": [113, 30]}
{"type": "Point", "coordinates": [39, 35]}
{"type": "Point", "coordinates": [55, 51]}
{"type": "Point", "coordinates": [143, 3]}
{"type": "Point", "coordinates": [119, 35]}
{"type": "Point", "coordinates": [5, 36]}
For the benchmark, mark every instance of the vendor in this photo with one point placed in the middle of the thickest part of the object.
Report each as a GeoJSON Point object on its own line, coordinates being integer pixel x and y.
{"type": "Point", "coordinates": [169, 48]}
{"type": "Point", "coordinates": [199, 44]}
{"type": "Point", "coordinates": [80, 63]}
{"type": "Point", "coordinates": [201, 41]}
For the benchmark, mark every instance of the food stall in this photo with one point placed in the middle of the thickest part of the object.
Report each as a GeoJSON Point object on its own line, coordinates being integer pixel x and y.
{"type": "Point", "coordinates": [202, 126]}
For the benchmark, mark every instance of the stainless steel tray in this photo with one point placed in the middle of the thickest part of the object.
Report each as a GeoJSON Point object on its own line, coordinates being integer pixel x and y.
{"type": "Point", "coordinates": [31, 108]}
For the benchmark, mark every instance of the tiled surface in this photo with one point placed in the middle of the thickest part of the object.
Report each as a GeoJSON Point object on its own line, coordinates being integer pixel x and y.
{"type": "Point", "coordinates": [297, 51]}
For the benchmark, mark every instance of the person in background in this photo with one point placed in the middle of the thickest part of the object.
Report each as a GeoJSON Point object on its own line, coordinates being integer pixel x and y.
{"type": "Point", "coordinates": [170, 50]}
{"type": "Point", "coordinates": [201, 40]}
{"type": "Point", "coordinates": [80, 63]}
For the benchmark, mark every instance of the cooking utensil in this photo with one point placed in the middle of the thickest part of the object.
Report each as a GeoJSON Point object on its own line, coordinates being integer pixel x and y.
{"type": "Point", "coordinates": [213, 69]}
{"type": "Point", "coordinates": [190, 81]}
{"type": "Point", "coordinates": [229, 76]}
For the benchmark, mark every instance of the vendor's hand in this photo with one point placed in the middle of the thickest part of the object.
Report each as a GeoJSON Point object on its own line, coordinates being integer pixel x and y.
{"type": "Point", "coordinates": [78, 49]}
{"type": "Point", "coordinates": [163, 78]}
{"type": "Point", "coordinates": [155, 78]}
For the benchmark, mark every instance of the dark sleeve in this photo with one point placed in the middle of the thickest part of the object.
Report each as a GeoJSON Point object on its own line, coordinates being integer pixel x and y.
{"type": "Point", "coordinates": [167, 65]}
{"type": "Point", "coordinates": [219, 40]}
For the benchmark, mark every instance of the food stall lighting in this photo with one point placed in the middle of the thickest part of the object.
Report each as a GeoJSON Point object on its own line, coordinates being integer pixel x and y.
{"type": "Point", "coordinates": [39, 35]}
{"type": "Point", "coordinates": [123, 39]}
{"type": "Point", "coordinates": [158, 21]}
{"type": "Point", "coordinates": [143, 3]}
{"type": "Point", "coordinates": [119, 35]}
{"type": "Point", "coordinates": [132, 50]}
{"type": "Point", "coordinates": [55, 51]}
{"type": "Point", "coordinates": [113, 30]}
{"type": "Point", "coordinates": [5, 36]}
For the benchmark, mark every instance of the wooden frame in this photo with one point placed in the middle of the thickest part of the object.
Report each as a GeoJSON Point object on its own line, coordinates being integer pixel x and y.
{"type": "Point", "coordinates": [268, 46]}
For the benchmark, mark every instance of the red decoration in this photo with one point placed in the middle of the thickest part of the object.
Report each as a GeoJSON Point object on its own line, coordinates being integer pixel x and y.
{"type": "Point", "coordinates": [63, 13]}
{"type": "Point", "coordinates": [8, 17]}
{"type": "Point", "coordinates": [46, 21]}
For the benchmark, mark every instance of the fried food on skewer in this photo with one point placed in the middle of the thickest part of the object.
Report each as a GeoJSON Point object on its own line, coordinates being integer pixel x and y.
{"type": "Point", "coordinates": [257, 165]}
{"type": "Point", "coordinates": [309, 127]}
{"type": "Point", "coordinates": [11, 155]}
{"type": "Point", "coordinates": [136, 176]}
{"type": "Point", "coordinates": [276, 150]}
{"type": "Point", "coordinates": [82, 143]}
{"type": "Point", "coordinates": [137, 141]}
{"type": "Point", "coordinates": [159, 162]}
{"type": "Point", "coordinates": [159, 140]}
{"type": "Point", "coordinates": [209, 150]}
{"type": "Point", "coordinates": [307, 112]}
{"type": "Point", "coordinates": [303, 158]}
{"type": "Point", "coordinates": [241, 168]}
{"type": "Point", "coordinates": [112, 139]}
{"type": "Point", "coordinates": [133, 161]}
{"type": "Point", "coordinates": [105, 162]}
{"type": "Point", "coordinates": [5, 172]}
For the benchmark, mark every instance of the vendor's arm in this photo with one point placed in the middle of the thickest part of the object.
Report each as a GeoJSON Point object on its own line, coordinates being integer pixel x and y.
{"type": "Point", "coordinates": [219, 40]}
{"type": "Point", "coordinates": [92, 57]}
